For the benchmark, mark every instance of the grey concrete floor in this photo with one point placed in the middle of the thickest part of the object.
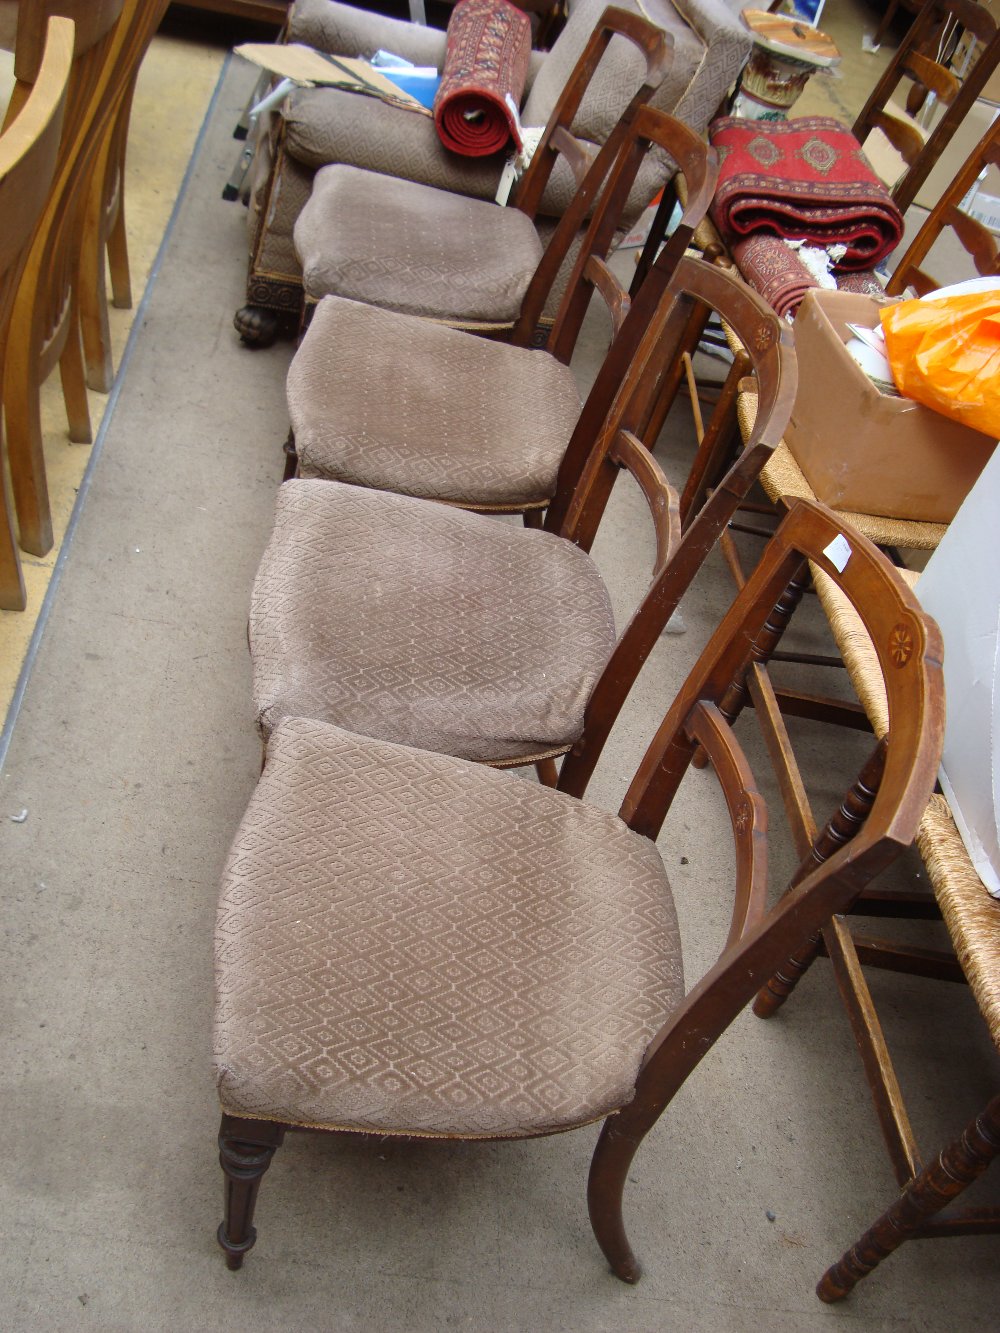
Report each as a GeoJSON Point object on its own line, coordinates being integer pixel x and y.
{"type": "Point", "coordinates": [134, 756]}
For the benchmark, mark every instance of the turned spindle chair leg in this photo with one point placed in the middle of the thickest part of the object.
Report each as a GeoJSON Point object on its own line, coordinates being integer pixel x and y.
{"type": "Point", "coordinates": [956, 1167]}
{"type": "Point", "coordinates": [245, 1151]}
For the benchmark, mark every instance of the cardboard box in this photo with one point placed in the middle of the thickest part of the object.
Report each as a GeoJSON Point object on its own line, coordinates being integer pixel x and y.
{"type": "Point", "coordinates": [960, 588]}
{"type": "Point", "coordinates": [864, 450]}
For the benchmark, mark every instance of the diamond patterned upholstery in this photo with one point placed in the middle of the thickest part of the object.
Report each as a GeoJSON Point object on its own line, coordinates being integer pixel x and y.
{"type": "Point", "coordinates": [408, 943]}
{"type": "Point", "coordinates": [423, 624]}
{"type": "Point", "coordinates": [455, 426]}
{"type": "Point", "coordinates": [409, 247]}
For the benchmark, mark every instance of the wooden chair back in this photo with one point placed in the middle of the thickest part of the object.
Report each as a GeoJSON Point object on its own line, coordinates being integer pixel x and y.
{"type": "Point", "coordinates": [603, 182]}
{"type": "Point", "coordinates": [911, 63]}
{"type": "Point", "coordinates": [28, 154]}
{"type": "Point", "coordinates": [94, 21]}
{"type": "Point", "coordinates": [641, 131]}
{"type": "Point", "coordinates": [686, 531]}
{"type": "Point", "coordinates": [876, 819]}
{"type": "Point", "coordinates": [976, 238]}
{"type": "Point", "coordinates": [557, 139]}
{"type": "Point", "coordinates": [45, 313]}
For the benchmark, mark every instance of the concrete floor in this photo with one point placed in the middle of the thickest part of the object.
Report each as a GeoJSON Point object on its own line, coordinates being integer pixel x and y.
{"type": "Point", "coordinates": [134, 756]}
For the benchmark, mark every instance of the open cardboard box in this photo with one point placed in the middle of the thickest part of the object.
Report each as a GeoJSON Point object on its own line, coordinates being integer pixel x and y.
{"type": "Point", "coordinates": [864, 450]}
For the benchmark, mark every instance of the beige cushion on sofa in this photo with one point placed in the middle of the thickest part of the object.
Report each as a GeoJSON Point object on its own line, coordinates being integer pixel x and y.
{"type": "Point", "coordinates": [408, 943]}
{"type": "Point", "coordinates": [412, 248]}
{"type": "Point", "coordinates": [326, 125]}
{"type": "Point", "coordinates": [424, 624]}
{"type": "Point", "coordinates": [467, 419]}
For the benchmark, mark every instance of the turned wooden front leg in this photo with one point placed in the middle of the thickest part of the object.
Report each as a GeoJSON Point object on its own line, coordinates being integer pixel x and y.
{"type": "Point", "coordinates": [957, 1166]}
{"type": "Point", "coordinates": [245, 1151]}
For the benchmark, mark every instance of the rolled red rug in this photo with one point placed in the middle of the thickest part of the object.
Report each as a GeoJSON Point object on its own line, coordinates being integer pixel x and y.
{"type": "Point", "coordinates": [485, 67]}
{"type": "Point", "coordinates": [806, 179]}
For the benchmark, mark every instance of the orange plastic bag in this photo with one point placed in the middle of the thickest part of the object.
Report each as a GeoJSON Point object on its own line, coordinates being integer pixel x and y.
{"type": "Point", "coordinates": [946, 355]}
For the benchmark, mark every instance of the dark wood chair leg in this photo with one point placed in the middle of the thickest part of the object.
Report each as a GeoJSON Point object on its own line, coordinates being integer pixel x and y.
{"type": "Point", "coordinates": [291, 458]}
{"type": "Point", "coordinates": [773, 995]}
{"type": "Point", "coordinates": [245, 1151]}
{"type": "Point", "coordinates": [957, 1166]}
{"type": "Point", "coordinates": [605, 1191]}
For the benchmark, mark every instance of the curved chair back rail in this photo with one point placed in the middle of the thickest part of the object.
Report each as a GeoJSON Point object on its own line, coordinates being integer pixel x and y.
{"type": "Point", "coordinates": [875, 820]}
{"type": "Point", "coordinates": [29, 148]}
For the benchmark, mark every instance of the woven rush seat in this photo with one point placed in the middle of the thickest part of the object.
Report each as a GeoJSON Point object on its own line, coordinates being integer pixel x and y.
{"type": "Point", "coordinates": [403, 619]}
{"type": "Point", "coordinates": [971, 915]}
{"type": "Point", "coordinates": [445, 431]}
{"type": "Point", "coordinates": [504, 982]}
{"type": "Point", "coordinates": [366, 237]}
{"type": "Point", "coordinates": [783, 479]}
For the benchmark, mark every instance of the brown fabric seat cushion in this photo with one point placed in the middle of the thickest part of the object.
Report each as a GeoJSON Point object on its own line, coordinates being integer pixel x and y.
{"type": "Point", "coordinates": [467, 420]}
{"type": "Point", "coordinates": [423, 624]}
{"type": "Point", "coordinates": [414, 249]}
{"type": "Point", "coordinates": [408, 943]}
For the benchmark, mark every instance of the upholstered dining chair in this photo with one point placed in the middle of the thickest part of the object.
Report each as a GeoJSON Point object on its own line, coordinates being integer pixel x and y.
{"type": "Point", "coordinates": [316, 127]}
{"type": "Point", "coordinates": [446, 257]}
{"type": "Point", "coordinates": [422, 623]}
{"type": "Point", "coordinates": [28, 157]}
{"type": "Point", "coordinates": [476, 956]}
{"type": "Point", "coordinates": [479, 422]}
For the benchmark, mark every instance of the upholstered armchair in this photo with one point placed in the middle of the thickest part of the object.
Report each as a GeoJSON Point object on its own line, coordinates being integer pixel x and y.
{"type": "Point", "coordinates": [319, 126]}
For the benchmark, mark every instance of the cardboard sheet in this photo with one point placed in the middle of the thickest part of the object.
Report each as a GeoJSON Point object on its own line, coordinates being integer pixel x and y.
{"type": "Point", "coordinates": [306, 66]}
{"type": "Point", "coordinates": [960, 588]}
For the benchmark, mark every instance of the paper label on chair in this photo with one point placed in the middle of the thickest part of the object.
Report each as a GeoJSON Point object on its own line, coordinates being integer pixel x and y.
{"type": "Point", "coordinates": [838, 553]}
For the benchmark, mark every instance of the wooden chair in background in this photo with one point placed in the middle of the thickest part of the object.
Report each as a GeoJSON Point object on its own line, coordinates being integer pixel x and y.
{"type": "Point", "coordinates": [45, 325]}
{"type": "Point", "coordinates": [914, 70]}
{"type": "Point", "coordinates": [104, 234]}
{"type": "Point", "coordinates": [355, 852]}
{"type": "Point", "coordinates": [29, 149]}
{"type": "Point", "coordinates": [45, 329]}
{"type": "Point", "coordinates": [420, 623]}
{"type": "Point", "coordinates": [478, 422]}
{"type": "Point", "coordinates": [973, 922]}
{"type": "Point", "coordinates": [976, 238]}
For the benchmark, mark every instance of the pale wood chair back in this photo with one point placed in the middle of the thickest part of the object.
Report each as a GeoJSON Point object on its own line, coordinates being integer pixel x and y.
{"type": "Point", "coordinates": [975, 237]}
{"type": "Point", "coordinates": [913, 67]}
{"type": "Point", "coordinates": [46, 316]}
{"type": "Point", "coordinates": [28, 155]}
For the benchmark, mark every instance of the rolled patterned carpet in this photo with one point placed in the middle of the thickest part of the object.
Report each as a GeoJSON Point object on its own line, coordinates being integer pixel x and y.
{"type": "Point", "coordinates": [485, 67]}
{"type": "Point", "coordinates": [773, 268]}
{"type": "Point", "coordinates": [805, 179]}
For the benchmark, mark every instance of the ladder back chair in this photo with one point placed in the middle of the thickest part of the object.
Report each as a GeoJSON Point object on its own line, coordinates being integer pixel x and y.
{"type": "Point", "coordinates": [976, 238]}
{"type": "Point", "coordinates": [972, 918]}
{"type": "Point", "coordinates": [912, 67]}
{"type": "Point", "coordinates": [460, 261]}
{"type": "Point", "coordinates": [477, 422]}
{"type": "Point", "coordinates": [29, 148]}
{"type": "Point", "coordinates": [424, 624]}
{"type": "Point", "coordinates": [356, 856]}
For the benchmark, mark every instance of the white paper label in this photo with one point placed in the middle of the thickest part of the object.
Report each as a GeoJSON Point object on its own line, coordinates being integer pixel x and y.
{"type": "Point", "coordinates": [838, 553]}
